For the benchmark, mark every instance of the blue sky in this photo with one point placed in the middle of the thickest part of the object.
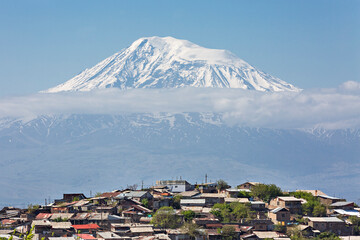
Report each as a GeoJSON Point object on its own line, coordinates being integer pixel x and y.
{"type": "Point", "coordinates": [311, 44]}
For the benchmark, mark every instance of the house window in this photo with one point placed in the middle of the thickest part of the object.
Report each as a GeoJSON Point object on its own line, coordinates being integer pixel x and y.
{"type": "Point", "coordinates": [283, 215]}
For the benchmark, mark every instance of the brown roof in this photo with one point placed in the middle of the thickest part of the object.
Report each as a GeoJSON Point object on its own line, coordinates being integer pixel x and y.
{"type": "Point", "coordinates": [110, 194]}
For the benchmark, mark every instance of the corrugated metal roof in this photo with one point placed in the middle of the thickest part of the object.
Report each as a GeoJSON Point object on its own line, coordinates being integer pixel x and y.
{"type": "Point", "coordinates": [329, 197]}
{"type": "Point", "coordinates": [43, 216]}
{"type": "Point", "coordinates": [290, 199]}
{"type": "Point", "coordinates": [240, 200]}
{"type": "Point", "coordinates": [98, 216]}
{"type": "Point", "coordinates": [276, 210]}
{"type": "Point", "coordinates": [61, 225]}
{"type": "Point", "coordinates": [61, 215]}
{"type": "Point", "coordinates": [81, 216]}
{"type": "Point", "coordinates": [192, 201]}
{"type": "Point", "coordinates": [341, 204]}
{"type": "Point", "coordinates": [61, 238]}
{"type": "Point", "coordinates": [43, 222]}
{"type": "Point", "coordinates": [348, 212]}
{"type": "Point", "coordinates": [133, 194]}
{"type": "Point", "coordinates": [141, 229]}
{"type": "Point", "coordinates": [325, 219]}
{"type": "Point", "coordinates": [107, 235]}
{"type": "Point", "coordinates": [211, 195]}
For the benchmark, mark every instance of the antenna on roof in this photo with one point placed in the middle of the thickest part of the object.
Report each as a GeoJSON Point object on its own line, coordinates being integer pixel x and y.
{"type": "Point", "coordinates": [206, 177]}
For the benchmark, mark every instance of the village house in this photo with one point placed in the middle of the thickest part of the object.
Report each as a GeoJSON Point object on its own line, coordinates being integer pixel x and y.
{"type": "Point", "coordinates": [204, 221]}
{"type": "Point", "coordinates": [269, 235]}
{"type": "Point", "coordinates": [176, 186]}
{"type": "Point", "coordinates": [107, 236]}
{"type": "Point", "coordinates": [211, 198]}
{"type": "Point", "coordinates": [70, 197]}
{"type": "Point", "coordinates": [247, 185]}
{"type": "Point", "coordinates": [234, 192]}
{"type": "Point", "coordinates": [106, 209]}
{"type": "Point", "coordinates": [342, 205]}
{"type": "Point", "coordinates": [329, 224]}
{"type": "Point", "coordinates": [136, 195]}
{"type": "Point", "coordinates": [261, 224]}
{"type": "Point", "coordinates": [60, 229]}
{"type": "Point", "coordinates": [328, 200]}
{"type": "Point", "coordinates": [84, 236]}
{"type": "Point", "coordinates": [315, 193]}
{"type": "Point", "coordinates": [239, 200]}
{"type": "Point", "coordinates": [293, 204]}
{"type": "Point", "coordinates": [193, 202]}
{"type": "Point", "coordinates": [90, 228]}
{"type": "Point", "coordinates": [280, 215]}
{"type": "Point", "coordinates": [207, 187]}
{"type": "Point", "coordinates": [189, 194]}
{"type": "Point", "coordinates": [41, 227]}
{"type": "Point", "coordinates": [258, 205]}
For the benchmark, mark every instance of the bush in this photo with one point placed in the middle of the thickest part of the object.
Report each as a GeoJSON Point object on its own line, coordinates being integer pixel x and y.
{"type": "Point", "coordinates": [313, 207]}
{"type": "Point", "coordinates": [227, 232]}
{"type": "Point", "coordinates": [176, 202]}
{"type": "Point", "coordinates": [165, 217]}
{"type": "Point", "coordinates": [266, 192]}
{"type": "Point", "coordinates": [33, 208]}
{"type": "Point", "coordinates": [222, 185]}
{"type": "Point", "coordinates": [233, 212]}
{"type": "Point", "coordinates": [244, 194]}
{"type": "Point", "coordinates": [188, 215]}
{"type": "Point", "coordinates": [280, 228]}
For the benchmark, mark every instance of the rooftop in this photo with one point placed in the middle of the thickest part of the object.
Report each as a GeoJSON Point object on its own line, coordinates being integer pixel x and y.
{"type": "Point", "coordinates": [325, 219]}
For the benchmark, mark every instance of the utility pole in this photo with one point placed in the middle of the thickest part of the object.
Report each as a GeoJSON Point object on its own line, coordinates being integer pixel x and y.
{"type": "Point", "coordinates": [206, 177]}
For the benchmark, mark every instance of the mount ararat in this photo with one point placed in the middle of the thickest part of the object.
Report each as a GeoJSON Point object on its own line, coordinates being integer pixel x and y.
{"type": "Point", "coordinates": [81, 151]}
{"type": "Point", "coordinates": [167, 62]}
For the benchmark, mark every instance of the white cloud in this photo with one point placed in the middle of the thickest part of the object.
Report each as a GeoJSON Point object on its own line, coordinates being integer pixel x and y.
{"type": "Point", "coordinates": [327, 108]}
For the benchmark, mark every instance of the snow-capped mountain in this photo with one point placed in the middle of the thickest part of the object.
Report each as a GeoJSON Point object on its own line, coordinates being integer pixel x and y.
{"type": "Point", "coordinates": [167, 62]}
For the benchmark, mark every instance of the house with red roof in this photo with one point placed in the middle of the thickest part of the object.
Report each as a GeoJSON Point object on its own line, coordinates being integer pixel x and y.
{"type": "Point", "coordinates": [84, 236]}
{"type": "Point", "coordinates": [86, 228]}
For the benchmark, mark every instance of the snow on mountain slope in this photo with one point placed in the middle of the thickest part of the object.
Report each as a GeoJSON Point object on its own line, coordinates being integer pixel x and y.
{"type": "Point", "coordinates": [167, 62]}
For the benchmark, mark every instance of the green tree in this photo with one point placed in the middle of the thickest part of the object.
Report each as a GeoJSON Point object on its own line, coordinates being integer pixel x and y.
{"type": "Point", "coordinates": [227, 232]}
{"type": "Point", "coordinates": [176, 201]}
{"type": "Point", "coordinates": [221, 185]}
{"type": "Point", "coordinates": [166, 217]}
{"type": "Point", "coordinates": [356, 224]}
{"type": "Point", "coordinates": [244, 194]}
{"type": "Point", "coordinates": [242, 211]}
{"type": "Point", "coordinates": [234, 212]}
{"type": "Point", "coordinates": [319, 210]}
{"type": "Point", "coordinates": [33, 208]}
{"type": "Point", "coordinates": [145, 202]}
{"type": "Point", "coordinates": [59, 219]}
{"type": "Point", "coordinates": [280, 228]}
{"type": "Point", "coordinates": [188, 215]}
{"type": "Point", "coordinates": [265, 192]}
{"type": "Point", "coordinates": [191, 229]}
{"type": "Point", "coordinates": [328, 236]}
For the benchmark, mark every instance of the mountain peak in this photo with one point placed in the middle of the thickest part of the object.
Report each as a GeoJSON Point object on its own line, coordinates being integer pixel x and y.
{"type": "Point", "coordinates": [167, 62]}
